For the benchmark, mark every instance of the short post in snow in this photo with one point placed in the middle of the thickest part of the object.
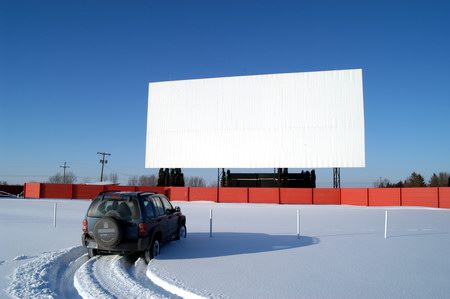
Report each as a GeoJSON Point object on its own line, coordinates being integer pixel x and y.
{"type": "Point", "coordinates": [210, 222]}
{"type": "Point", "coordinates": [298, 224]}
{"type": "Point", "coordinates": [385, 224]}
{"type": "Point", "coordinates": [55, 208]}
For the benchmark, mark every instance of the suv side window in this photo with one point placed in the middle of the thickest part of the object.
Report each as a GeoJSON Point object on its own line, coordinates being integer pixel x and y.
{"type": "Point", "coordinates": [148, 207]}
{"type": "Point", "coordinates": [166, 204]}
{"type": "Point", "coordinates": [159, 209]}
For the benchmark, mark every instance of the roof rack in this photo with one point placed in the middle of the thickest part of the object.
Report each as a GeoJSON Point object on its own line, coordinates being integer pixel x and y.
{"type": "Point", "coordinates": [103, 193]}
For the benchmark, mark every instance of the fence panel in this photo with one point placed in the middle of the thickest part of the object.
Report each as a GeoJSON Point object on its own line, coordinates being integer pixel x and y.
{"type": "Point", "coordinates": [384, 197]}
{"type": "Point", "coordinates": [444, 197]}
{"type": "Point", "coordinates": [327, 196]}
{"type": "Point", "coordinates": [32, 190]}
{"type": "Point", "coordinates": [425, 197]}
{"type": "Point", "coordinates": [296, 196]}
{"type": "Point", "coordinates": [354, 196]}
{"type": "Point", "coordinates": [63, 191]}
{"type": "Point", "coordinates": [86, 191]}
{"type": "Point", "coordinates": [202, 193]}
{"type": "Point", "coordinates": [178, 193]}
{"type": "Point", "coordinates": [233, 195]}
{"type": "Point", "coordinates": [264, 195]}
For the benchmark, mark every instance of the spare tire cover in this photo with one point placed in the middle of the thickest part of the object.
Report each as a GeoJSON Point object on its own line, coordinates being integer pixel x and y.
{"type": "Point", "coordinates": [107, 232]}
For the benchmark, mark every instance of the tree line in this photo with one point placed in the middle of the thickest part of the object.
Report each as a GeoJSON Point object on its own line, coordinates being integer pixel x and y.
{"type": "Point", "coordinates": [442, 179]}
{"type": "Point", "coordinates": [166, 177]}
{"type": "Point", "coordinates": [71, 178]}
{"type": "Point", "coordinates": [175, 177]}
{"type": "Point", "coordinates": [170, 178]}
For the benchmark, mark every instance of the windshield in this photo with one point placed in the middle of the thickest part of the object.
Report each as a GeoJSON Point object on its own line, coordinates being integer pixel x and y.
{"type": "Point", "coordinates": [122, 206]}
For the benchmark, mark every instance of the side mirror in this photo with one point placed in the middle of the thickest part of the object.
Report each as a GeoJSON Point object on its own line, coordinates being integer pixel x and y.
{"type": "Point", "coordinates": [177, 209]}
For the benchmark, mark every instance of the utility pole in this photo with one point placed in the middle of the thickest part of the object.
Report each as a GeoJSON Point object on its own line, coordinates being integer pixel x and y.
{"type": "Point", "coordinates": [64, 175]}
{"type": "Point", "coordinates": [103, 162]}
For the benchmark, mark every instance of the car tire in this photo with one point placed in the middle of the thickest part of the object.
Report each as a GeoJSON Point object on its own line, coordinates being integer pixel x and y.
{"type": "Point", "coordinates": [92, 252]}
{"type": "Point", "coordinates": [153, 251]}
{"type": "Point", "coordinates": [181, 233]}
{"type": "Point", "coordinates": [107, 232]}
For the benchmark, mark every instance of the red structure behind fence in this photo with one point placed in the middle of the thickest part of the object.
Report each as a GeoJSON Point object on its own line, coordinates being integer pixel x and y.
{"type": "Point", "coordinates": [427, 197]}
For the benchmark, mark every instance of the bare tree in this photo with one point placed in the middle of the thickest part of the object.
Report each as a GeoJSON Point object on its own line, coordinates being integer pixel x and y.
{"type": "Point", "coordinates": [195, 181]}
{"type": "Point", "coordinates": [133, 181]}
{"type": "Point", "coordinates": [59, 178]}
{"type": "Point", "coordinates": [212, 184]}
{"type": "Point", "coordinates": [384, 183]}
{"type": "Point", "coordinates": [114, 178]}
{"type": "Point", "coordinates": [148, 180]}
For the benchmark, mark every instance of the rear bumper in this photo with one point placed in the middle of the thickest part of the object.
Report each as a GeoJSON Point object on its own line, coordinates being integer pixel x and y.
{"type": "Point", "coordinates": [125, 247]}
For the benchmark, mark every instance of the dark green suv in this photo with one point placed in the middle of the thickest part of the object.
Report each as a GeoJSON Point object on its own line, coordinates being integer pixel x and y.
{"type": "Point", "coordinates": [131, 222]}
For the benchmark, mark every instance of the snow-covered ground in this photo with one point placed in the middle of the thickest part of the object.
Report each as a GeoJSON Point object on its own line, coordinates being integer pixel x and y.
{"type": "Point", "coordinates": [254, 253]}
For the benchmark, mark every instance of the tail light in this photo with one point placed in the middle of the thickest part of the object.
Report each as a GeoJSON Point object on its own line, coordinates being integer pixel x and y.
{"type": "Point", "coordinates": [85, 226]}
{"type": "Point", "coordinates": [142, 229]}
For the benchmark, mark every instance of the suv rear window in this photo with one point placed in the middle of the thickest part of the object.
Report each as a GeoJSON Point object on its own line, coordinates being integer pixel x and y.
{"type": "Point", "coordinates": [119, 205]}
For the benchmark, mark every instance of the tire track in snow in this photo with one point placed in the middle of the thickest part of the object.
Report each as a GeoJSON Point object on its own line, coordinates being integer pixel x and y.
{"type": "Point", "coordinates": [116, 277]}
{"type": "Point", "coordinates": [50, 275]}
{"type": "Point", "coordinates": [66, 286]}
{"type": "Point", "coordinates": [69, 273]}
{"type": "Point", "coordinates": [163, 279]}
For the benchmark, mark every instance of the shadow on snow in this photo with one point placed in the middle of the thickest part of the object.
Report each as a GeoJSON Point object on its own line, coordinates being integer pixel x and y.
{"type": "Point", "coordinates": [200, 245]}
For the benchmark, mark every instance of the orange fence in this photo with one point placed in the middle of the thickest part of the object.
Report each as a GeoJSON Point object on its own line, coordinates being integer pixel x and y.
{"type": "Point", "coordinates": [296, 196]}
{"type": "Point", "coordinates": [78, 191]}
{"type": "Point", "coordinates": [385, 197]}
{"type": "Point", "coordinates": [233, 195]}
{"type": "Point", "coordinates": [355, 196]}
{"type": "Point", "coordinates": [201, 193]}
{"type": "Point", "coordinates": [427, 197]}
{"type": "Point", "coordinates": [264, 195]}
{"type": "Point", "coordinates": [327, 196]}
{"type": "Point", "coordinates": [420, 197]}
{"type": "Point", "coordinates": [444, 198]}
{"type": "Point", "coordinates": [178, 193]}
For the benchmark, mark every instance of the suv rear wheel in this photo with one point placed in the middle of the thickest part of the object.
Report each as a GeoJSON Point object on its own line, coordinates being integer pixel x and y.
{"type": "Point", "coordinates": [92, 252]}
{"type": "Point", "coordinates": [153, 251]}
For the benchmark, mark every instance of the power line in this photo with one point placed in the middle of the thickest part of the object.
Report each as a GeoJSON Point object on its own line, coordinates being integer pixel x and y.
{"type": "Point", "coordinates": [119, 172]}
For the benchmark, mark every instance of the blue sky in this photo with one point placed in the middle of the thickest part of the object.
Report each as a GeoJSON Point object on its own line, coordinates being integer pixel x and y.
{"type": "Point", "coordinates": [74, 75]}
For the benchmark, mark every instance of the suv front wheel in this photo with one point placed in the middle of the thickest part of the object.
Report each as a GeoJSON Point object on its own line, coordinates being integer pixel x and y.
{"type": "Point", "coordinates": [181, 233]}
